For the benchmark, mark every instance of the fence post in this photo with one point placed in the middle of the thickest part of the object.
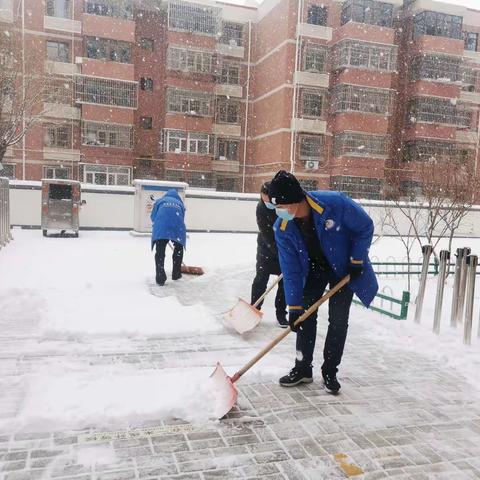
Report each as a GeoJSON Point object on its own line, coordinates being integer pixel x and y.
{"type": "Point", "coordinates": [437, 317]}
{"type": "Point", "coordinates": [461, 286]}
{"type": "Point", "coordinates": [5, 235]}
{"type": "Point", "coordinates": [404, 306]}
{"type": "Point", "coordinates": [456, 286]}
{"type": "Point", "coordinates": [427, 251]}
{"type": "Point", "coordinates": [472, 262]}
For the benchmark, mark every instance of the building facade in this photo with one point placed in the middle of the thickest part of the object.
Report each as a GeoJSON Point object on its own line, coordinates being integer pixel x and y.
{"type": "Point", "coordinates": [223, 96]}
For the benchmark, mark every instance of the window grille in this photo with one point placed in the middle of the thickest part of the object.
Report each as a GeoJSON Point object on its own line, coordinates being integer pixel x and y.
{"type": "Point", "coordinates": [59, 8]}
{"type": "Point", "coordinates": [108, 49]}
{"type": "Point", "coordinates": [105, 91]}
{"type": "Point", "coordinates": [147, 44]}
{"type": "Point", "coordinates": [194, 179]}
{"type": "Point", "coordinates": [315, 58]}
{"type": "Point", "coordinates": [438, 110]}
{"type": "Point", "coordinates": [193, 17]}
{"type": "Point", "coordinates": [109, 8]}
{"type": "Point", "coordinates": [312, 147]}
{"type": "Point", "coordinates": [58, 136]}
{"type": "Point", "coordinates": [350, 53]}
{"type": "Point", "coordinates": [471, 41]}
{"type": "Point", "coordinates": [58, 51]}
{"type": "Point", "coordinates": [228, 111]}
{"type": "Point", "coordinates": [8, 170]}
{"type": "Point", "coordinates": [358, 187]}
{"type": "Point", "coordinates": [226, 184]}
{"type": "Point", "coordinates": [190, 102]}
{"type": "Point", "coordinates": [58, 91]}
{"type": "Point", "coordinates": [347, 98]}
{"type": "Point", "coordinates": [62, 173]}
{"type": "Point", "coordinates": [227, 149]}
{"type": "Point", "coordinates": [367, 11]}
{"type": "Point", "coordinates": [434, 150]}
{"type": "Point", "coordinates": [437, 24]}
{"type": "Point", "coordinates": [180, 141]}
{"type": "Point", "coordinates": [189, 60]}
{"type": "Point", "coordinates": [232, 34]}
{"type": "Point", "coordinates": [107, 135]}
{"type": "Point", "coordinates": [360, 145]}
{"type": "Point", "coordinates": [105, 174]}
{"type": "Point", "coordinates": [317, 15]}
{"type": "Point", "coordinates": [308, 185]}
{"type": "Point", "coordinates": [436, 67]}
{"type": "Point", "coordinates": [229, 74]}
{"type": "Point", "coordinates": [312, 104]}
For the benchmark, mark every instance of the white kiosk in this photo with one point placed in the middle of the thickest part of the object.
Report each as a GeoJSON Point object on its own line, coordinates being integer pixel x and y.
{"type": "Point", "coordinates": [146, 193]}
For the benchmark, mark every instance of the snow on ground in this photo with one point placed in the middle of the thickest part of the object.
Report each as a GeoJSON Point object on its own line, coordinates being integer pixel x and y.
{"type": "Point", "coordinates": [96, 294]}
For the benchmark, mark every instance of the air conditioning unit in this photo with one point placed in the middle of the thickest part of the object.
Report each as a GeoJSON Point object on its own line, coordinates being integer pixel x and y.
{"type": "Point", "coordinates": [222, 158]}
{"type": "Point", "coordinates": [311, 165]}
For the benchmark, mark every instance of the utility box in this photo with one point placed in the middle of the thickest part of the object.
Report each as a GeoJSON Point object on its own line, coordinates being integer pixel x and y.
{"type": "Point", "coordinates": [61, 200]}
{"type": "Point", "coordinates": [146, 193]}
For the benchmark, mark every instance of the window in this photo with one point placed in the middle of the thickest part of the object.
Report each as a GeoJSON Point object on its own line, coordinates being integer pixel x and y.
{"type": "Point", "coordinates": [317, 15]}
{"type": "Point", "coordinates": [315, 58]}
{"type": "Point", "coordinates": [232, 34]}
{"type": "Point", "coordinates": [227, 149]}
{"type": "Point", "coordinates": [436, 67]}
{"type": "Point", "coordinates": [58, 136]}
{"type": "Point", "coordinates": [180, 141]}
{"type": "Point", "coordinates": [308, 185]}
{"type": "Point", "coordinates": [108, 8]}
{"type": "Point", "coordinates": [367, 11]}
{"type": "Point", "coordinates": [7, 170]}
{"type": "Point", "coordinates": [226, 184]}
{"type": "Point", "coordinates": [106, 92]}
{"type": "Point", "coordinates": [58, 51]}
{"type": "Point", "coordinates": [351, 53]}
{"type": "Point", "coordinates": [61, 173]}
{"type": "Point", "coordinates": [107, 49]}
{"type": "Point", "coordinates": [358, 187]}
{"type": "Point", "coordinates": [105, 174]}
{"type": "Point", "coordinates": [347, 98]}
{"type": "Point", "coordinates": [146, 84]}
{"type": "Point", "coordinates": [190, 102]}
{"type": "Point", "coordinates": [194, 179]}
{"type": "Point", "coordinates": [189, 60]}
{"type": "Point", "coordinates": [59, 8]}
{"type": "Point", "coordinates": [352, 144]}
{"type": "Point", "coordinates": [147, 44]}
{"type": "Point", "coordinates": [227, 111]}
{"type": "Point", "coordinates": [229, 74]}
{"type": "Point", "coordinates": [438, 110]}
{"type": "Point", "coordinates": [437, 24]}
{"type": "Point", "coordinates": [97, 134]}
{"type": "Point", "coordinates": [311, 148]}
{"type": "Point", "coordinates": [428, 150]}
{"type": "Point", "coordinates": [471, 41]}
{"type": "Point", "coordinates": [58, 91]}
{"type": "Point", "coordinates": [146, 123]}
{"type": "Point", "coordinates": [192, 17]}
{"type": "Point", "coordinates": [312, 104]}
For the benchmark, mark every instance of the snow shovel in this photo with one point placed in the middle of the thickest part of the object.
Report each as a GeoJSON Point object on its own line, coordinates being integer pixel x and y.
{"type": "Point", "coordinates": [244, 317]}
{"type": "Point", "coordinates": [190, 270]}
{"type": "Point", "coordinates": [225, 391]}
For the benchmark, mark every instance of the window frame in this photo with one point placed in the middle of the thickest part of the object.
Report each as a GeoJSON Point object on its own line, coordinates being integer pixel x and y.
{"type": "Point", "coordinates": [308, 107]}
{"type": "Point", "coordinates": [63, 57]}
{"type": "Point", "coordinates": [317, 15]}
{"type": "Point", "coordinates": [57, 136]}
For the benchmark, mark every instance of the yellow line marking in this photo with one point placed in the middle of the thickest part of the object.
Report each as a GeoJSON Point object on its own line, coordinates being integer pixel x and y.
{"type": "Point", "coordinates": [348, 468]}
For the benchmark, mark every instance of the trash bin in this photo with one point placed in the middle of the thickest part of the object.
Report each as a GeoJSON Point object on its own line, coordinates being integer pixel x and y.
{"type": "Point", "coordinates": [60, 206]}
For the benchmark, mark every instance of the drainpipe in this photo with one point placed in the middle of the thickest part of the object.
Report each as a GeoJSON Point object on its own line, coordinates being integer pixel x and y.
{"type": "Point", "coordinates": [247, 93]}
{"type": "Point", "coordinates": [23, 91]}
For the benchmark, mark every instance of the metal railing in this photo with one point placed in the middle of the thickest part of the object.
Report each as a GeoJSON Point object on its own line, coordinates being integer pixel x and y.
{"type": "Point", "coordinates": [386, 304]}
{"type": "Point", "coordinates": [5, 232]}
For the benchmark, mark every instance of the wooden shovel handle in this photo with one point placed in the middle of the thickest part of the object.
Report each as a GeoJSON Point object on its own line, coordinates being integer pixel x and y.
{"type": "Point", "coordinates": [278, 339]}
{"type": "Point", "coordinates": [267, 291]}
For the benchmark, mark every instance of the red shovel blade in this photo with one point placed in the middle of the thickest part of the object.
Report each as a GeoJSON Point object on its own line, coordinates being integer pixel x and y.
{"type": "Point", "coordinates": [224, 390]}
{"type": "Point", "coordinates": [243, 317]}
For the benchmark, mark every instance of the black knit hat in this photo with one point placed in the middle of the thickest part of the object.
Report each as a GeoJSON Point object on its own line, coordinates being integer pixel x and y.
{"type": "Point", "coordinates": [285, 189]}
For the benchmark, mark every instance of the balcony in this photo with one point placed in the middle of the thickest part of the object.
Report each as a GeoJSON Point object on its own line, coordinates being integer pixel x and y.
{"type": "Point", "coordinates": [309, 125]}
{"type": "Point", "coordinates": [230, 50]}
{"type": "Point", "coordinates": [314, 31]}
{"type": "Point", "coordinates": [62, 24]}
{"type": "Point", "coordinates": [229, 90]}
{"type": "Point", "coordinates": [312, 79]}
{"type": "Point", "coordinates": [227, 129]}
{"type": "Point", "coordinates": [59, 110]}
{"type": "Point", "coordinates": [6, 12]}
{"type": "Point", "coordinates": [61, 154]}
{"type": "Point", "coordinates": [228, 166]}
{"type": "Point", "coordinates": [470, 97]}
{"type": "Point", "coordinates": [61, 68]}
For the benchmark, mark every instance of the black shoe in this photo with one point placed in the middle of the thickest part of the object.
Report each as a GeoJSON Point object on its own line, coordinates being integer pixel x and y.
{"type": "Point", "coordinates": [297, 376]}
{"type": "Point", "coordinates": [176, 275]}
{"type": "Point", "coordinates": [282, 322]}
{"type": "Point", "coordinates": [160, 277]}
{"type": "Point", "coordinates": [331, 383]}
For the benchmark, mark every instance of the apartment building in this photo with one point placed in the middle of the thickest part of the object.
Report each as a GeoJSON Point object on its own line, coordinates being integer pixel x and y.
{"type": "Point", "coordinates": [222, 96]}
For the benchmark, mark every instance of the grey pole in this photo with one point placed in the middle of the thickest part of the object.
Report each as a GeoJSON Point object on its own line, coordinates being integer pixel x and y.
{"type": "Point", "coordinates": [427, 251]}
{"type": "Point", "coordinates": [472, 262]}
{"type": "Point", "coordinates": [462, 285]}
{"type": "Point", "coordinates": [442, 275]}
{"type": "Point", "coordinates": [456, 283]}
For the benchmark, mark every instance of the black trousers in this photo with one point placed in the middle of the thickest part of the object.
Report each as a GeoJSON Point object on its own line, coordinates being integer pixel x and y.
{"type": "Point", "coordinates": [177, 256]}
{"type": "Point", "coordinates": [259, 286]}
{"type": "Point", "coordinates": [338, 313]}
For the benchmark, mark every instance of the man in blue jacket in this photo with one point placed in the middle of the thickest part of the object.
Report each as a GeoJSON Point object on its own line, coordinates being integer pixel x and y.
{"type": "Point", "coordinates": [321, 237]}
{"type": "Point", "coordinates": [168, 218]}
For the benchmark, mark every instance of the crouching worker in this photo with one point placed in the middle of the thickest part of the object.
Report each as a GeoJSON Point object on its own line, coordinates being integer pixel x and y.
{"type": "Point", "coordinates": [321, 237]}
{"type": "Point", "coordinates": [168, 218]}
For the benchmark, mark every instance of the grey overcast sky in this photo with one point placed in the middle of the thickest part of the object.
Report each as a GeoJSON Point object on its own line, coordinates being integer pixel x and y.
{"type": "Point", "coordinates": [467, 3]}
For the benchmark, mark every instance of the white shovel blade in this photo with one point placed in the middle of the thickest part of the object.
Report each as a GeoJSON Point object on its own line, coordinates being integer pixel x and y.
{"type": "Point", "coordinates": [243, 317]}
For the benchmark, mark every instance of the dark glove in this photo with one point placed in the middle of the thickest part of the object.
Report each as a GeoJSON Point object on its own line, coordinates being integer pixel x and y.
{"type": "Point", "coordinates": [292, 318]}
{"type": "Point", "coordinates": [355, 271]}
